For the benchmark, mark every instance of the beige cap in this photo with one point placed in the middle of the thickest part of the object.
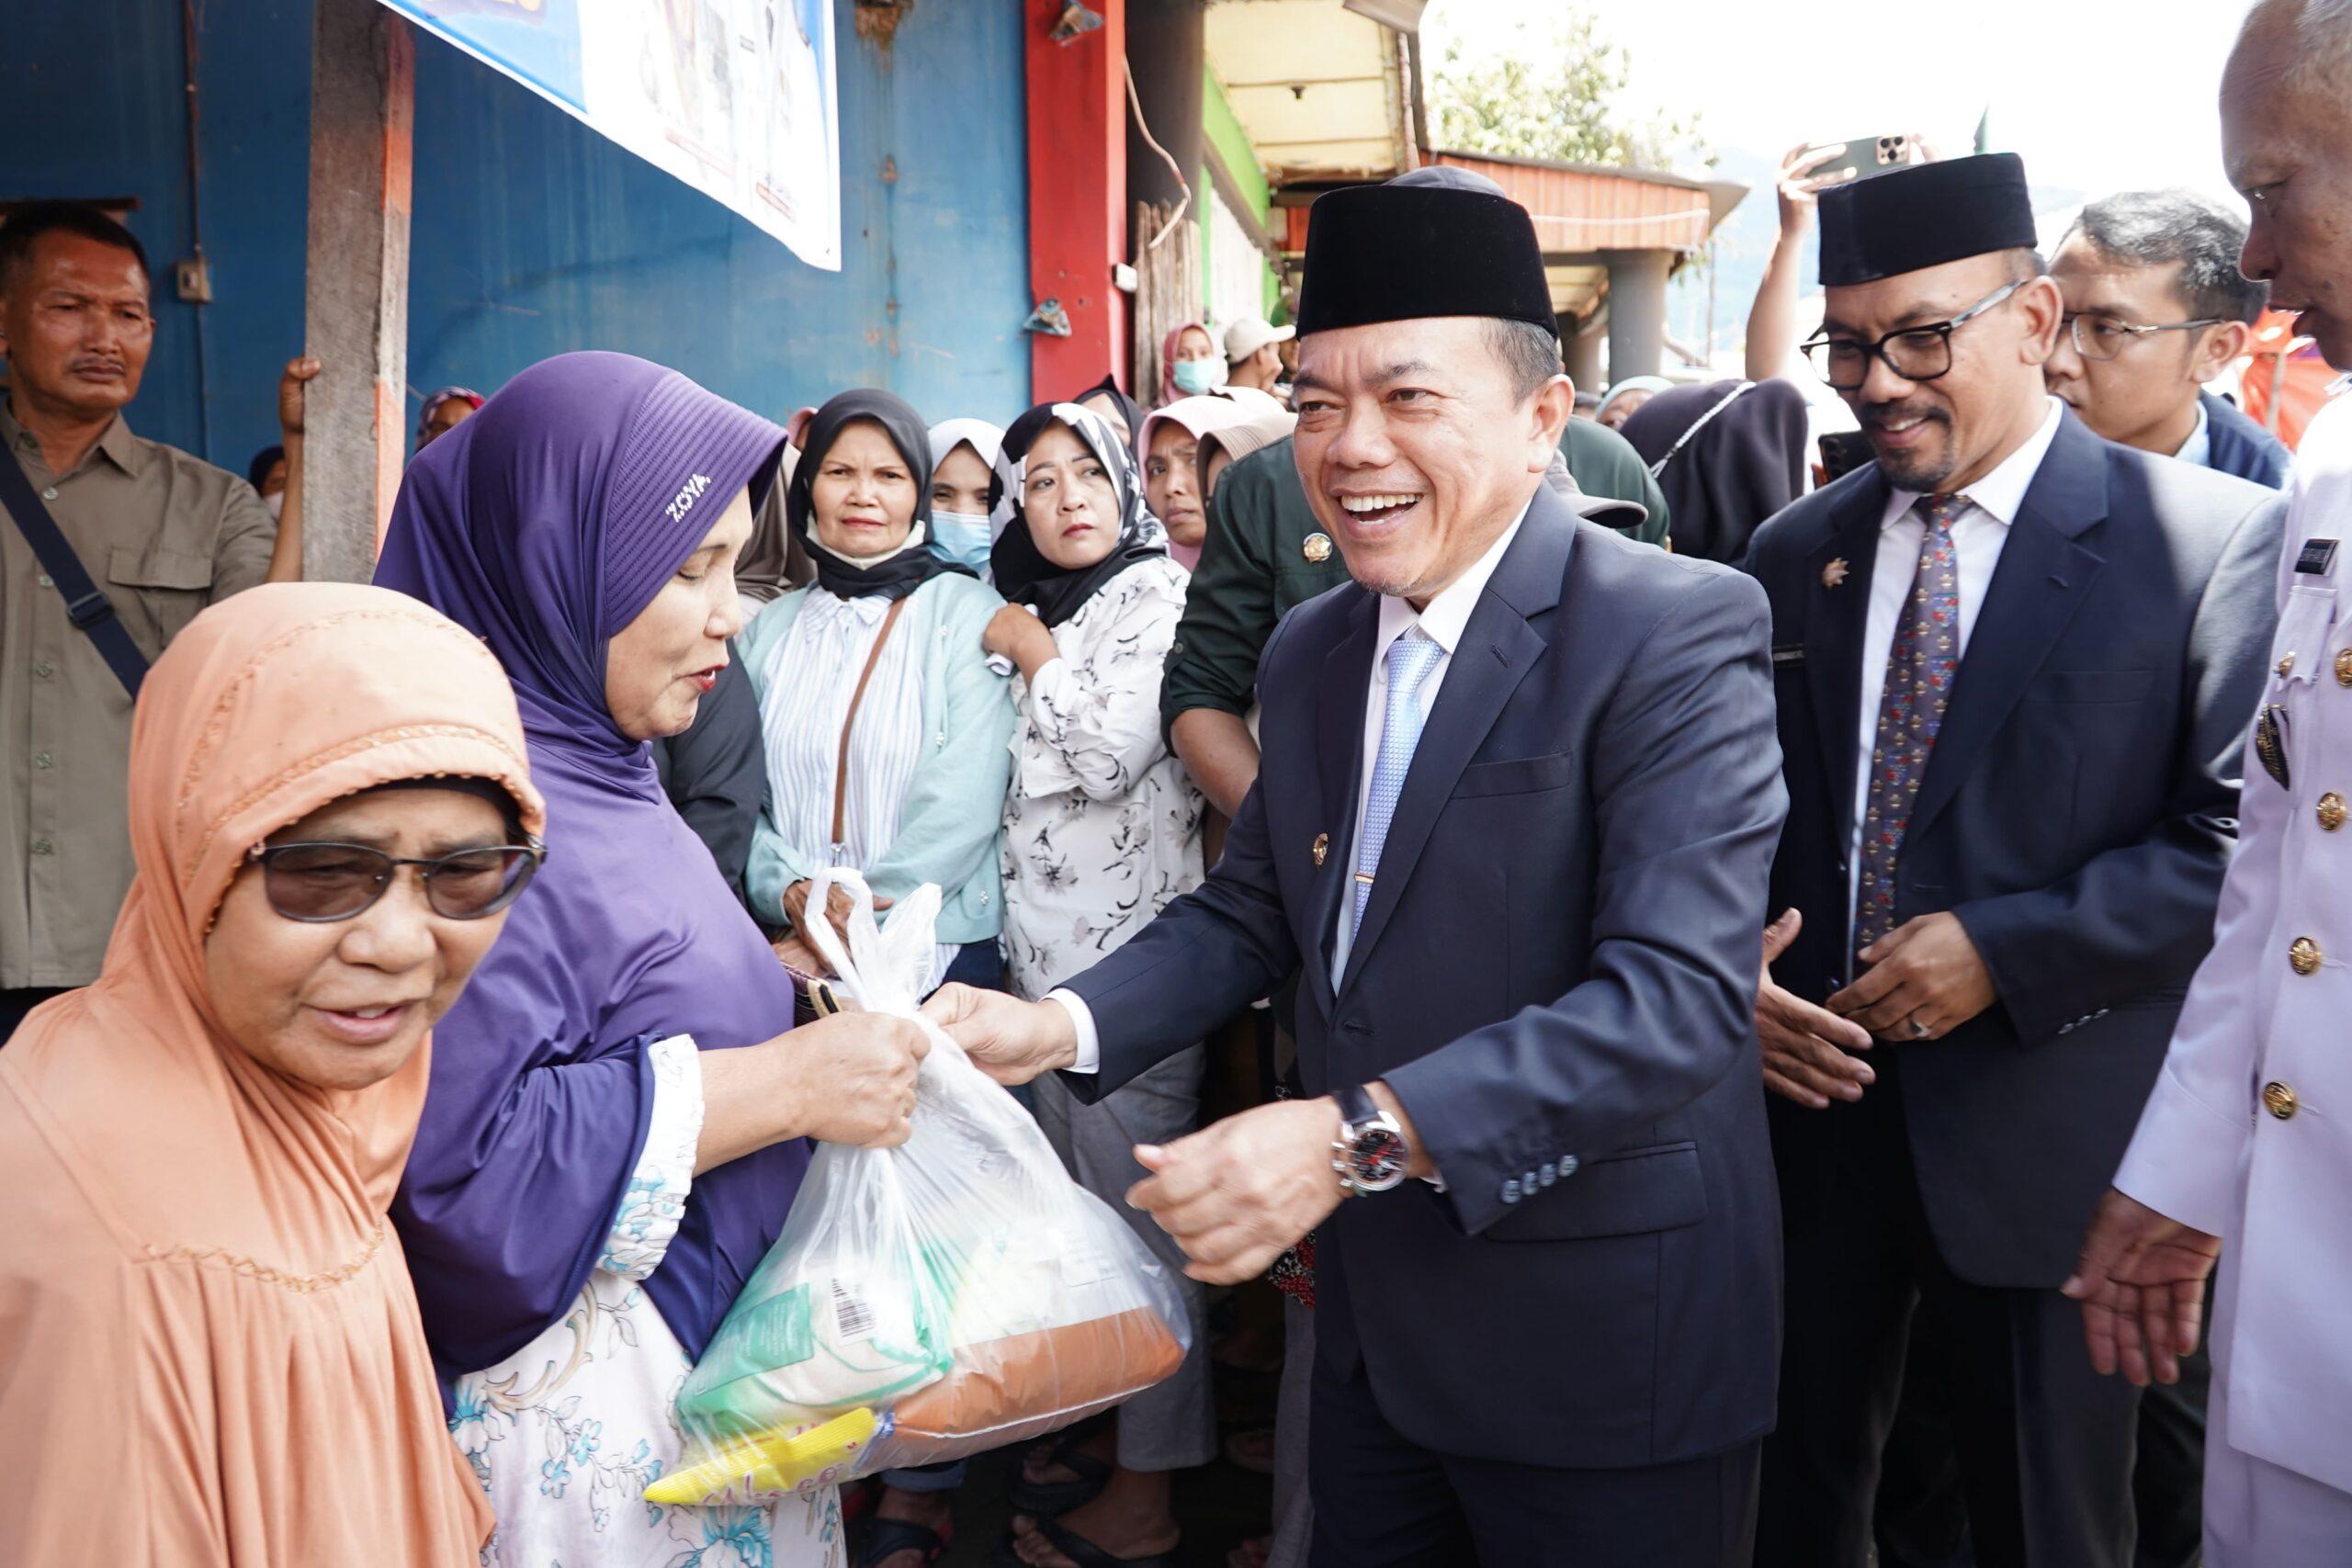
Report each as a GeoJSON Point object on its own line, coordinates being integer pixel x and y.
{"type": "Point", "coordinates": [1250, 333]}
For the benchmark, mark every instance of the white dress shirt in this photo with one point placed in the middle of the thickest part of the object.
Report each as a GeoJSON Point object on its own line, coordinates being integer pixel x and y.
{"type": "Point", "coordinates": [1979, 530]}
{"type": "Point", "coordinates": [2199, 448]}
{"type": "Point", "coordinates": [1442, 621]}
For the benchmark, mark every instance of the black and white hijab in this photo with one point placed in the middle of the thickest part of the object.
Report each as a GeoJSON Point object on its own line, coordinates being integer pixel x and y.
{"type": "Point", "coordinates": [1022, 573]}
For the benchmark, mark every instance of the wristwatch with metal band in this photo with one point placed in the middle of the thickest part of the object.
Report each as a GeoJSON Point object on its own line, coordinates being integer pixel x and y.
{"type": "Point", "coordinates": [1369, 1155]}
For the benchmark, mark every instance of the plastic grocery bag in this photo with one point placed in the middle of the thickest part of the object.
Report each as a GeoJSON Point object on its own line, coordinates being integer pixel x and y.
{"type": "Point", "coordinates": [950, 1295]}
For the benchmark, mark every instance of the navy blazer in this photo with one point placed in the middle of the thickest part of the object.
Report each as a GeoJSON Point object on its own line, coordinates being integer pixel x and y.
{"type": "Point", "coordinates": [2078, 811]}
{"type": "Point", "coordinates": [1556, 975]}
{"type": "Point", "coordinates": [2235, 444]}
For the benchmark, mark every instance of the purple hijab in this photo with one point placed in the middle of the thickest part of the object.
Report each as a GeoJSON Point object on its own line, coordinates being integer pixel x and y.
{"type": "Point", "coordinates": [545, 523]}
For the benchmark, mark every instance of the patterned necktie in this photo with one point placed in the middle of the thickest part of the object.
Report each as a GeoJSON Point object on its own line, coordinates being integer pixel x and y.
{"type": "Point", "coordinates": [1920, 664]}
{"type": "Point", "coordinates": [1410, 659]}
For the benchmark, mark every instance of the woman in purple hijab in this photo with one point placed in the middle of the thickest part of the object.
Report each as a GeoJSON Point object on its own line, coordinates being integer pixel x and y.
{"type": "Point", "coordinates": [616, 1120]}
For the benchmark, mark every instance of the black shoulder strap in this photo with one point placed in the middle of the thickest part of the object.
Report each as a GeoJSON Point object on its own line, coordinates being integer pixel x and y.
{"type": "Point", "coordinates": [90, 611]}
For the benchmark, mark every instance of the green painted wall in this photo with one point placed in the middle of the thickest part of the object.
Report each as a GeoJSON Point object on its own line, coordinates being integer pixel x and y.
{"type": "Point", "coordinates": [1232, 143]}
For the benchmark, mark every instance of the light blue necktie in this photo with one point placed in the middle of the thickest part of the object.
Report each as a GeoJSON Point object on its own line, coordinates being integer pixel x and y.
{"type": "Point", "coordinates": [1410, 659]}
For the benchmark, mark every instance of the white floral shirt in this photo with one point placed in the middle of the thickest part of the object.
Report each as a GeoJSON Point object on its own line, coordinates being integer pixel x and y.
{"type": "Point", "coordinates": [566, 1434]}
{"type": "Point", "coordinates": [1103, 825]}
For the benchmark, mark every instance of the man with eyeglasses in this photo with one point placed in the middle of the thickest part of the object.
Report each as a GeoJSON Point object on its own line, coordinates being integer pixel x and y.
{"type": "Point", "coordinates": [2012, 661]}
{"type": "Point", "coordinates": [2155, 309]}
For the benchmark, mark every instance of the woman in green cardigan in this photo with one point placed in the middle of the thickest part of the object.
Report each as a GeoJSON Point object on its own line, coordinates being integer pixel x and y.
{"type": "Point", "coordinates": [886, 730]}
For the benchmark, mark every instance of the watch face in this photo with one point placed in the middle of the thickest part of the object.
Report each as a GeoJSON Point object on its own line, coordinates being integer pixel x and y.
{"type": "Point", "coordinates": [1376, 1157]}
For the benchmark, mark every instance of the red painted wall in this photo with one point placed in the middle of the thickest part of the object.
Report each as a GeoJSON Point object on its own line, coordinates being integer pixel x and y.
{"type": "Point", "coordinates": [1077, 194]}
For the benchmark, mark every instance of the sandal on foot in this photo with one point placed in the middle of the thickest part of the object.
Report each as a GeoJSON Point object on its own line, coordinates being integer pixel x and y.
{"type": "Point", "coordinates": [1077, 1547]}
{"type": "Point", "coordinates": [1046, 1499]}
{"type": "Point", "coordinates": [885, 1538]}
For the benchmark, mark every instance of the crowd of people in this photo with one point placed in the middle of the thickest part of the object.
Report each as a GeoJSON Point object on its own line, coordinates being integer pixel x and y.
{"type": "Point", "coordinates": [1773, 979]}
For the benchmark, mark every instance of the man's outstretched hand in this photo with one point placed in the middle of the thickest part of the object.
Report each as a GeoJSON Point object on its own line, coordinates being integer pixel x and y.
{"type": "Point", "coordinates": [1010, 1040]}
{"type": "Point", "coordinates": [2142, 1283]}
{"type": "Point", "coordinates": [1805, 1047]}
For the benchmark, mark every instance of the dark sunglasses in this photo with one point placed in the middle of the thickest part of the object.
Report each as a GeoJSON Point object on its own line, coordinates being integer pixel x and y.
{"type": "Point", "coordinates": [317, 882]}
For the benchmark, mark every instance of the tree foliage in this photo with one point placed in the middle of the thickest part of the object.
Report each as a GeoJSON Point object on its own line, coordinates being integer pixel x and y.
{"type": "Point", "coordinates": [1555, 89]}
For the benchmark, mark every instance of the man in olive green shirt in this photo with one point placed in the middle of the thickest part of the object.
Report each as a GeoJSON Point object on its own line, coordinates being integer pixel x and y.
{"type": "Point", "coordinates": [1264, 554]}
{"type": "Point", "coordinates": [161, 534]}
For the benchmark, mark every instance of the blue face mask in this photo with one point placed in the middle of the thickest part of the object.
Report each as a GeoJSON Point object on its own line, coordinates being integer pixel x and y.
{"type": "Point", "coordinates": [1195, 376]}
{"type": "Point", "coordinates": [961, 538]}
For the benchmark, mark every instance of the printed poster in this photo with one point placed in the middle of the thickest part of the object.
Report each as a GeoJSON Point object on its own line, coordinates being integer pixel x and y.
{"type": "Point", "coordinates": [735, 97]}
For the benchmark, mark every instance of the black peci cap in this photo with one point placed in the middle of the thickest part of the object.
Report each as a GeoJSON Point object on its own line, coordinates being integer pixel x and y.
{"type": "Point", "coordinates": [1924, 216]}
{"type": "Point", "coordinates": [1422, 245]}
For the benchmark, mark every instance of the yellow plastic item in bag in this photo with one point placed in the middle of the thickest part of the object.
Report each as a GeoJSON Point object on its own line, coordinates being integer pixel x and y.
{"type": "Point", "coordinates": [769, 1464]}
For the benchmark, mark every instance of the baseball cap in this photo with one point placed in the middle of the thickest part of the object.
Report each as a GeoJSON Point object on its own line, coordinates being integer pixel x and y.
{"type": "Point", "coordinates": [1250, 333]}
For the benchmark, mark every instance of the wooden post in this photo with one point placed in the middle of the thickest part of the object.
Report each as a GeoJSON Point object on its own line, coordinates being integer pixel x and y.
{"type": "Point", "coordinates": [1077, 191]}
{"type": "Point", "coordinates": [363, 91]}
{"type": "Point", "coordinates": [1167, 290]}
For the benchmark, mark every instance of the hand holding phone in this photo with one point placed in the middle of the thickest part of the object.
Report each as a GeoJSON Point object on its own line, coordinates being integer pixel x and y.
{"type": "Point", "coordinates": [1804, 173]}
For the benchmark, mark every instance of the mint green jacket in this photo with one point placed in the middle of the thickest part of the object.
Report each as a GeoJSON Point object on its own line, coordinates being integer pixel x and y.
{"type": "Point", "coordinates": [953, 819]}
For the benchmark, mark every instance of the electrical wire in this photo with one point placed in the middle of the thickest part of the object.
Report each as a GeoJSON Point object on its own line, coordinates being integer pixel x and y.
{"type": "Point", "coordinates": [1186, 185]}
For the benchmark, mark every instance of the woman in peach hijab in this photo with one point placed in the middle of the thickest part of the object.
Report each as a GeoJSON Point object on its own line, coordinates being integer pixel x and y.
{"type": "Point", "coordinates": [210, 1349]}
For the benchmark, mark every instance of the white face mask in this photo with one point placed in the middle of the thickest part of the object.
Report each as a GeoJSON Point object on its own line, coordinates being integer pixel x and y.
{"type": "Point", "coordinates": [276, 504]}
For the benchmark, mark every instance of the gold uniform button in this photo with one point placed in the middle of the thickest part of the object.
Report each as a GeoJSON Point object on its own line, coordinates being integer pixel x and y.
{"type": "Point", "coordinates": [2343, 667]}
{"type": "Point", "coordinates": [2280, 1101]}
{"type": "Point", "coordinates": [1316, 547]}
{"type": "Point", "coordinates": [2304, 955]}
{"type": "Point", "coordinates": [2287, 666]}
{"type": "Point", "coordinates": [2331, 811]}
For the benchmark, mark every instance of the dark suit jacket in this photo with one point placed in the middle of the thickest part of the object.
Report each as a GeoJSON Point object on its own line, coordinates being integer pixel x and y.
{"type": "Point", "coordinates": [1556, 975]}
{"type": "Point", "coordinates": [2235, 444]}
{"type": "Point", "coordinates": [2077, 813]}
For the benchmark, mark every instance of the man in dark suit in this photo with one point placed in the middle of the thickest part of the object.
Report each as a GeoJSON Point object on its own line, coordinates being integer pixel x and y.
{"type": "Point", "coordinates": [2155, 307]}
{"type": "Point", "coordinates": [2013, 664]}
{"type": "Point", "coordinates": [1518, 797]}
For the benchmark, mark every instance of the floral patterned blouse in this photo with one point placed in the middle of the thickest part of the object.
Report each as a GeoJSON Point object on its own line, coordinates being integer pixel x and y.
{"type": "Point", "coordinates": [1103, 825]}
{"type": "Point", "coordinates": [566, 1434]}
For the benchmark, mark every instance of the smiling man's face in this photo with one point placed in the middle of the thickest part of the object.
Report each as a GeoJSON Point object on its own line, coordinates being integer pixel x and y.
{"type": "Point", "coordinates": [1416, 448]}
{"type": "Point", "coordinates": [1946, 432]}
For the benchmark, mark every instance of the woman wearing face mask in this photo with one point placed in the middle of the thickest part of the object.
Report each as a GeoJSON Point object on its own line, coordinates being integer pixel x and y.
{"type": "Point", "coordinates": [1169, 446]}
{"type": "Point", "coordinates": [1190, 364]}
{"type": "Point", "coordinates": [885, 726]}
{"type": "Point", "coordinates": [618, 1115]}
{"type": "Point", "coordinates": [1102, 828]}
{"type": "Point", "coordinates": [963, 526]}
{"type": "Point", "coordinates": [215, 1350]}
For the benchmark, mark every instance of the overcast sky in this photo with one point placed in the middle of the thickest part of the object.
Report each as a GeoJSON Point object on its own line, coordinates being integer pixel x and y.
{"type": "Point", "coordinates": [2098, 95]}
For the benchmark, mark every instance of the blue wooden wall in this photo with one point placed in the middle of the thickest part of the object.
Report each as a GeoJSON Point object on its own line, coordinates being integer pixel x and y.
{"type": "Point", "coordinates": [531, 235]}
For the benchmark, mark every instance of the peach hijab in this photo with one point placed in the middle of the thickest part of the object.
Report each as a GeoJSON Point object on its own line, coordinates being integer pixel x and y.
{"type": "Point", "coordinates": [209, 1349]}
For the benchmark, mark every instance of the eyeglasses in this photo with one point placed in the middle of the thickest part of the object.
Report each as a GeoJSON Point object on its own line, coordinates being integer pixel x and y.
{"type": "Point", "coordinates": [2104, 337]}
{"type": "Point", "coordinates": [318, 882]}
{"type": "Point", "coordinates": [1915, 353]}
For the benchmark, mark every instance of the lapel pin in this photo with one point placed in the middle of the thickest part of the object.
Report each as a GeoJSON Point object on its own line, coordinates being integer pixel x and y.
{"type": "Point", "coordinates": [1316, 547]}
{"type": "Point", "coordinates": [1322, 843]}
{"type": "Point", "coordinates": [1834, 574]}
